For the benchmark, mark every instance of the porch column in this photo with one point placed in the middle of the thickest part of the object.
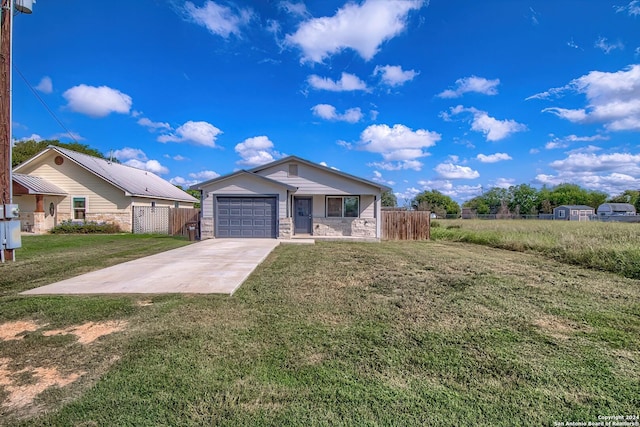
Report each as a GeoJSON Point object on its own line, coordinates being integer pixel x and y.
{"type": "Point", "coordinates": [39, 203]}
{"type": "Point", "coordinates": [379, 216]}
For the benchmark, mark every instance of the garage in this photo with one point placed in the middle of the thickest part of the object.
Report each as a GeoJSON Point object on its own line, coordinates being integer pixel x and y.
{"type": "Point", "coordinates": [245, 217]}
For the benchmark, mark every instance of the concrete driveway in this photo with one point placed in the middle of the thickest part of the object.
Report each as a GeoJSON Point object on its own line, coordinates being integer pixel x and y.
{"type": "Point", "coordinates": [216, 266]}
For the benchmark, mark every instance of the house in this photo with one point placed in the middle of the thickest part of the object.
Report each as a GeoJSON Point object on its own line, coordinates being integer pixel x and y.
{"type": "Point", "coordinates": [290, 197]}
{"type": "Point", "coordinates": [58, 184]}
{"type": "Point", "coordinates": [617, 209]}
{"type": "Point", "coordinates": [573, 212]}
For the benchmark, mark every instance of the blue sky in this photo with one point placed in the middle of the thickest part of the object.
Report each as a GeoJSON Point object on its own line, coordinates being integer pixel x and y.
{"type": "Point", "coordinates": [457, 96]}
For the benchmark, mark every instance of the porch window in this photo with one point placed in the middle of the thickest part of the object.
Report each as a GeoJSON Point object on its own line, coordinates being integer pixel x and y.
{"type": "Point", "coordinates": [347, 207]}
{"type": "Point", "coordinates": [560, 214]}
{"type": "Point", "coordinates": [79, 208]}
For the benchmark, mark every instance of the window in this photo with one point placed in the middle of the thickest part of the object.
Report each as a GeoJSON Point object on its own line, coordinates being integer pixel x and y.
{"type": "Point", "coordinates": [176, 205]}
{"type": "Point", "coordinates": [79, 208]}
{"type": "Point", "coordinates": [153, 204]}
{"type": "Point", "coordinates": [348, 207]}
{"type": "Point", "coordinates": [561, 213]}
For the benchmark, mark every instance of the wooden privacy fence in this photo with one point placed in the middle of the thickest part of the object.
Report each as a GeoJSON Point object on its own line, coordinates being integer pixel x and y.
{"type": "Point", "coordinates": [406, 225]}
{"type": "Point", "coordinates": [163, 220]}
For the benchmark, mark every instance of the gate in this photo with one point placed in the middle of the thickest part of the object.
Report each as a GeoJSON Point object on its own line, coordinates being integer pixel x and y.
{"type": "Point", "coordinates": [163, 220]}
{"type": "Point", "coordinates": [406, 225]}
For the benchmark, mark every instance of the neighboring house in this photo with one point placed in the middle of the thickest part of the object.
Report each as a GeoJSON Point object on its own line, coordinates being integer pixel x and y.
{"type": "Point", "coordinates": [573, 212]}
{"type": "Point", "coordinates": [59, 184]}
{"type": "Point", "coordinates": [616, 209]}
{"type": "Point", "coordinates": [290, 197]}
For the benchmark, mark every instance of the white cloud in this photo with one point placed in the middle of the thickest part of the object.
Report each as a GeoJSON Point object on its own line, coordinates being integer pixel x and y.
{"type": "Point", "coordinates": [97, 101]}
{"type": "Point", "coordinates": [219, 20]}
{"type": "Point", "coordinates": [493, 158]}
{"type": "Point", "coordinates": [492, 128]}
{"type": "Point", "coordinates": [397, 139]}
{"type": "Point", "coordinates": [347, 82]}
{"type": "Point", "coordinates": [613, 99]}
{"type": "Point", "coordinates": [33, 137]}
{"type": "Point", "coordinates": [633, 8]}
{"type": "Point", "coordinates": [451, 171]}
{"type": "Point", "coordinates": [566, 141]}
{"type": "Point", "coordinates": [415, 165]}
{"type": "Point", "coordinates": [204, 175]}
{"type": "Point", "coordinates": [603, 44]}
{"type": "Point", "coordinates": [504, 182]}
{"type": "Point", "coordinates": [472, 84]}
{"type": "Point", "coordinates": [128, 153]}
{"type": "Point", "coordinates": [74, 136]}
{"type": "Point", "coordinates": [377, 177]}
{"type": "Point", "coordinates": [393, 75]}
{"type": "Point", "coordinates": [361, 27]}
{"type": "Point", "coordinates": [618, 162]}
{"type": "Point", "coordinates": [195, 178]}
{"type": "Point", "coordinates": [296, 9]}
{"type": "Point", "coordinates": [407, 195]}
{"type": "Point", "coordinates": [256, 151]}
{"type": "Point", "coordinates": [398, 144]}
{"type": "Point", "coordinates": [45, 85]}
{"type": "Point", "coordinates": [448, 188]}
{"type": "Point", "coordinates": [328, 112]}
{"type": "Point", "coordinates": [153, 125]}
{"type": "Point", "coordinates": [149, 165]}
{"type": "Point", "coordinates": [199, 133]}
{"type": "Point", "coordinates": [572, 44]}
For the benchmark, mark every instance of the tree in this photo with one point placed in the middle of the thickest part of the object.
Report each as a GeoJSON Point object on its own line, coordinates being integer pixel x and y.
{"type": "Point", "coordinates": [523, 200]}
{"type": "Point", "coordinates": [628, 196]}
{"type": "Point", "coordinates": [389, 199]}
{"type": "Point", "coordinates": [436, 202]}
{"type": "Point", "coordinates": [24, 150]}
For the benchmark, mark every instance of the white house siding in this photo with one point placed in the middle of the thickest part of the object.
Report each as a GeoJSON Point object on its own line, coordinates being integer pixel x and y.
{"type": "Point", "coordinates": [312, 181]}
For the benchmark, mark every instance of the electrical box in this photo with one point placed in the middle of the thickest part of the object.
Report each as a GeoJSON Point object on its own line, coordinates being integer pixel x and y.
{"type": "Point", "coordinates": [12, 234]}
{"type": "Point", "coordinates": [1, 211]}
{"type": "Point", "coordinates": [11, 211]}
{"type": "Point", "coordinates": [3, 232]}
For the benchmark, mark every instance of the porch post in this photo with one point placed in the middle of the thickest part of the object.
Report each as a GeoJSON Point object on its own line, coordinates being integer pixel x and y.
{"type": "Point", "coordinates": [39, 203]}
{"type": "Point", "coordinates": [378, 216]}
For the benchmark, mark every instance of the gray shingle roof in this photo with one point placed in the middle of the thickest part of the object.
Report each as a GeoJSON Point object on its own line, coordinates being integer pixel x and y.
{"type": "Point", "coordinates": [37, 185]}
{"type": "Point", "coordinates": [133, 181]}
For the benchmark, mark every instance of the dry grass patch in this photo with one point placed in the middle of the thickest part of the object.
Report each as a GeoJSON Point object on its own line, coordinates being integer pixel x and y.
{"type": "Point", "coordinates": [24, 385]}
{"type": "Point", "coordinates": [15, 330]}
{"type": "Point", "coordinates": [90, 331]}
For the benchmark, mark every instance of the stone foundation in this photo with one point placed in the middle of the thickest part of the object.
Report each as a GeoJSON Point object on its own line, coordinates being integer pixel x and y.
{"type": "Point", "coordinates": [123, 219]}
{"type": "Point", "coordinates": [285, 229]}
{"type": "Point", "coordinates": [354, 227]}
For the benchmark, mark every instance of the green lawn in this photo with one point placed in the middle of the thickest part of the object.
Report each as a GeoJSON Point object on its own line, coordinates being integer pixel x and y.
{"type": "Point", "coordinates": [422, 333]}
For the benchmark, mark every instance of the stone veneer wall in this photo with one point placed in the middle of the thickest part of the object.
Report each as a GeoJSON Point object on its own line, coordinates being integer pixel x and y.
{"type": "Point", "coordinates": [123, 219]}
{"type": "Point", "coordinates": [356, 227]}
{"type": "Point", "coordinates": [285, 230]}
{"type": "Point", "coordinates": [206, 228]}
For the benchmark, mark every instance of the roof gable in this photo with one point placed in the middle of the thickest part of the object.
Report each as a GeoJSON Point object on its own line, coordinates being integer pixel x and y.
{"type": "Point", "coordinates": [295, 159]}
{"type": "Point", "coordinates": [236, 174]}
{"type": "Point", "coordinates": [132, 181]}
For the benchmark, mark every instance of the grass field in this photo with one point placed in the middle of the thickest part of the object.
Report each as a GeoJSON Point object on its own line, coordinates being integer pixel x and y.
{"type": "Point", "coordinates": [421, 333]}
{"type": "Point", "coordinates": [606, 246]}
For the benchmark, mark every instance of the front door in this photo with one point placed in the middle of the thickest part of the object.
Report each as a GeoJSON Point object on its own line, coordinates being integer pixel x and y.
{"type": "Point", "coordinates": [302, 215]}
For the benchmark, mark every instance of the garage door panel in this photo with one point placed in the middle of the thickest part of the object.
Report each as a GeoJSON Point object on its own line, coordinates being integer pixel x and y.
{"type": "Point", "coordinates": [246, 217]}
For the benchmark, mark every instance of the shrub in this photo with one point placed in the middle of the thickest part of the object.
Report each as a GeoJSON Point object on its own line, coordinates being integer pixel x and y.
{"type": "Point", "coordinates": [85, 227]}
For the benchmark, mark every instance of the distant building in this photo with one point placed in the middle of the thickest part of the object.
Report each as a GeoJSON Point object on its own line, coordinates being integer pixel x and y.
{"type": "Point", "coordinates": [573, 212]}
{"type": "Point", "coordinates": [616, 209]}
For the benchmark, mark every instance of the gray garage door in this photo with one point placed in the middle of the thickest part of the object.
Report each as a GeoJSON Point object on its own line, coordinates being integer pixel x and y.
{"type": "Point", "coordinates": [246, 217]}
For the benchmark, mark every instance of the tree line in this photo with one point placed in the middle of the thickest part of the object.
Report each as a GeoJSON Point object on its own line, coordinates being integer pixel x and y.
{"type": "Point", "coordinates": [521, 199]}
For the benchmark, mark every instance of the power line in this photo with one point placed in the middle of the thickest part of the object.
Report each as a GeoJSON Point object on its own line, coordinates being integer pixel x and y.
{"type": "Point", "coordinates": [35, 93]}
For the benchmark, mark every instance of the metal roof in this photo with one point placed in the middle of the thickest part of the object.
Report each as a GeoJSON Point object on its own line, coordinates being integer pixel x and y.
{"type": "Point", "coordinates": [619, 207]}
{"type": "Point", "coordinates": [37, 185]}
{"type": "Point", "coordinates": [133, 181]}
{"type": "Point", "coordinates": [582, 207]}
{"type": "Point", "coordinates": [255, 171]}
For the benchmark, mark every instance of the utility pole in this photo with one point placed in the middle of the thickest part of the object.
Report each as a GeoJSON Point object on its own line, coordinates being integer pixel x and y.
{"type": "Point", "coordinates": [5, 119]}
{"type": "Point", "coordinates": [9, 213]}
